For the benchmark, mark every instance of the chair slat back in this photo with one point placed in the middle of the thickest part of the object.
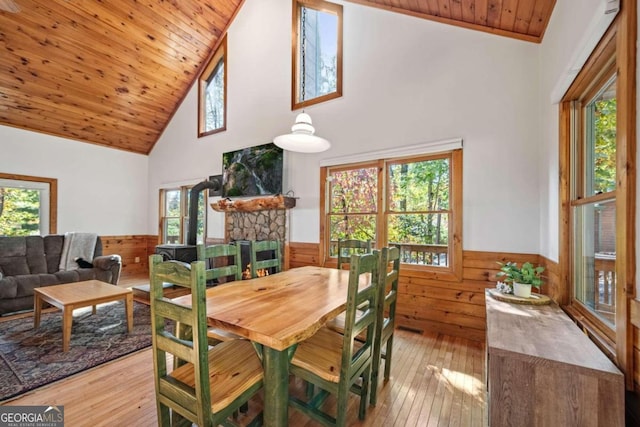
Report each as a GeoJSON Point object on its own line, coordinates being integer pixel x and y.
{"type": "Point", "coordinates": [223, 259]}
{"type": "Point", "coordinates": [349, 247]}
{"type": "Point", "coordinates": [275, 260]}
{"type": "Point", "coordinates": [192, 403]}
{"type": "Point", "coordinates": [389, 270]}
{"type": "Point", "coordinates": [363, 292]}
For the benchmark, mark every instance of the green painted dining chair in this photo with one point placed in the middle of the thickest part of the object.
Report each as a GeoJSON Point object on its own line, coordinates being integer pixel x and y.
{"type": "Point", "coordinates": [270, 258]}
{"type": "Point", "coordinates": [212, 383]}
{"type": "Point", "coordinates": [389, 271]}
{"type": "Point", "coordinates": [222, 261]}
{"type": "Point", "coordinates": [224, 264]}
{"type": "Point", "coordinates": [337, 363]}
{"type": "Point", "coordinates": [349, 247]}
{"type": "Point", "coordinates": [346, 248]}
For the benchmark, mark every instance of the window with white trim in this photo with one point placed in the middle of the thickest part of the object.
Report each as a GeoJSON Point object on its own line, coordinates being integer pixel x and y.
{"type": "Point", "coordinates": [27, 205]}
{"type": "Point", "coordinates": [174, 215]}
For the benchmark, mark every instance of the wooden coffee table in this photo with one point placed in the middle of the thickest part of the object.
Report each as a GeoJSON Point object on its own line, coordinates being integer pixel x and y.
{"type": "Point", "coordinates": [70, 296]}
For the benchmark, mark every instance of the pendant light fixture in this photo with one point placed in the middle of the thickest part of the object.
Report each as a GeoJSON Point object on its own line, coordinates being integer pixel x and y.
{"type": "Point", "coordinates": [302, 138]}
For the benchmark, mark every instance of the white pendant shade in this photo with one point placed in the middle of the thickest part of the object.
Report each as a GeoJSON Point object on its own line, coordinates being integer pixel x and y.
{"type": "Point", "coordinates": [302, 138]}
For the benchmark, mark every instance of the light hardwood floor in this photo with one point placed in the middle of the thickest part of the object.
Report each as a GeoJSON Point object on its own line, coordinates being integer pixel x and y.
{"type": "Point", "coordinates": [436, 380]}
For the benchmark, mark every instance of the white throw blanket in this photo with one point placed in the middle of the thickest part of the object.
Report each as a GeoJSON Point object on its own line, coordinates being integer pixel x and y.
{"type": "Point", "coordinates": [77, 245]}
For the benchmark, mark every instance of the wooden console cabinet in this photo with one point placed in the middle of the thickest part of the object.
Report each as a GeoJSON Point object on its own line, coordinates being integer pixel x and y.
{"type": "Point", "coordinates": [543, 371]}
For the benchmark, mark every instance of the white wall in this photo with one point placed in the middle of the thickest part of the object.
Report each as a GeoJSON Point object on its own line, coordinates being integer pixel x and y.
{"type": "Point", "coordinates": [571, 34]}
{"type": "Point", "coordinates": [406, 81]}
{"type": "Point", "coordinates": [100, 190]}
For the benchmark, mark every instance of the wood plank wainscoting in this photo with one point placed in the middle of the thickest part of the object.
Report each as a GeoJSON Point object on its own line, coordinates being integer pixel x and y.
{"type": "Point", "coordinates": [458, 309]}
{"type": "Point", "coordinates": [452, 308]}
{"type": "Point", "coordinates": [130, 248]}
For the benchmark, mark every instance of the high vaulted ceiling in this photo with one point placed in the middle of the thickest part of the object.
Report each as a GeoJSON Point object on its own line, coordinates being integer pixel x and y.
{"type": "Point", "coordinates": [113, 73]}
{"type": "Point", "coordinates": [106, 72]}
{"type": "Point", "coordinates": [521, 19]}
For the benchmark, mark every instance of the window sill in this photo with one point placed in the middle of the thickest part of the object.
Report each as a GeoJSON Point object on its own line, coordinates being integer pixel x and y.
{"type": "Point", "coordinates": [212, 132]}
{"type": "Point", "coordinates": [593, 331]}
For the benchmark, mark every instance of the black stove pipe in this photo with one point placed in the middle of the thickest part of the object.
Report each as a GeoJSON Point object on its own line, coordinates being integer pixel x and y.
{"type": "Point", "coordinates": [192, 231]}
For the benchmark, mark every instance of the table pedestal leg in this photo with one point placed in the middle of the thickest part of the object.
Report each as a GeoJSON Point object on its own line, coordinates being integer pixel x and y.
{"type": "Point", "coordinates": [276, 387]}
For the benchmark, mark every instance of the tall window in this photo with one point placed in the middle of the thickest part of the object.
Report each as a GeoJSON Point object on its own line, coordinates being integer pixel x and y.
{"type": "Point", "coordinates": [597, 192]}
{"type": "Point", "coordinates": [27, 205]}
{"type": "Point", "coordinates": [412, 203]}
{"type": "Point", "coordinates": [317, 52]}
{"type": "Point", "coordinates": [594, 201]}
{"type": "Point", "coordinates": [175, 219]}
{"type": "Point", "coordinates": [212, 93]}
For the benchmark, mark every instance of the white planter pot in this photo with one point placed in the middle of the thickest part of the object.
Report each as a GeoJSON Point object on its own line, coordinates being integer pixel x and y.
{"type": "Point", "coordinates": [522, 290]}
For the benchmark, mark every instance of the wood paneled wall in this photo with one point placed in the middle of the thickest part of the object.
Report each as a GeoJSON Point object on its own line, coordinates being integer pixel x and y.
{"type": "Point", "coordinates": [130, 248]}
{"type": "Point", "coordinates": [453, 308]}
{"type": "Point", "coordinates": [301, 254]}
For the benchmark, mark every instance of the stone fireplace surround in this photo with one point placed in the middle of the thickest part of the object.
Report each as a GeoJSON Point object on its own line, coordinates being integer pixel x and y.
{"type": "Point", "coordinates": [260, 225]}
{"type": "Point", "coordinates": [262, 218]}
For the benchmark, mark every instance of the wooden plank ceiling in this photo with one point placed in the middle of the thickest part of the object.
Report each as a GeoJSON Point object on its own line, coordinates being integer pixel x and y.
{"type": "Point", "coordinates": [106, 72]}
{"type": "Point", "coordinates": [520, 19]}
{"type": "Point", "coordinates": [113, 73]}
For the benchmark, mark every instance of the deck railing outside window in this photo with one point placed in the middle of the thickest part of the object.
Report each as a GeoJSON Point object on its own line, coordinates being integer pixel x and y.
{"type": "Point", "coordinates": [434, 255]}
{"type": "Point", "coordinates": [605, 283]}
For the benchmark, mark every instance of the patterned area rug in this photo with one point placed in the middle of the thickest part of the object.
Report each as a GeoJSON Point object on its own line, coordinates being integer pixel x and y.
{"type": "Point", "coordinates": [30, 358]}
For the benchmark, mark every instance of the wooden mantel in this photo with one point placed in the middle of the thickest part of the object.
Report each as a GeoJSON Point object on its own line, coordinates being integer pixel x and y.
{"type": "Point", "coordinates": [254, 204]}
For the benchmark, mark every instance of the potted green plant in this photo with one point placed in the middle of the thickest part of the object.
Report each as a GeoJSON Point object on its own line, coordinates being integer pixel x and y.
{"type": "Point", "coordinates": [521, 278]}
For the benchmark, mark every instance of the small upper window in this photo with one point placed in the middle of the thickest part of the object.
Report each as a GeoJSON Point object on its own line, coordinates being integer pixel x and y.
{"type": "Point", "coordinates": [317, 52]}
{"type": "Point", "coordinates": [213, 93]}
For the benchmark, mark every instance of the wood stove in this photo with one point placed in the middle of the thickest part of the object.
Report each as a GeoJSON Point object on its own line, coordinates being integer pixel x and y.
{"type": "Point", "coordinates": [187, 253]}
{"type": "Point", "coordinates": [184, 253]}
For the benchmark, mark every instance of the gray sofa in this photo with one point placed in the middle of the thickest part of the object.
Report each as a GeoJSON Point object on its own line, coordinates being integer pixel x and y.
{"type": "Point", "coordinates": [30, 262]}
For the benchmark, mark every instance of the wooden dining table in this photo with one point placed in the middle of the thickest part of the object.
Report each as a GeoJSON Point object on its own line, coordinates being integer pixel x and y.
{"type": "Point", "coordinates": [276, 312]}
